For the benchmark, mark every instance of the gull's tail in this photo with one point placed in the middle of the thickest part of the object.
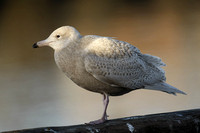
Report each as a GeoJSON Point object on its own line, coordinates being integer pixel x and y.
{"type": "Point", "coordinates": [164, 87]}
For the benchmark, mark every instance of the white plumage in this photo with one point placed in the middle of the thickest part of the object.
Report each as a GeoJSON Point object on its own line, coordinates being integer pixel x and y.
{"type": "Point", "coordinates": [105, 65]}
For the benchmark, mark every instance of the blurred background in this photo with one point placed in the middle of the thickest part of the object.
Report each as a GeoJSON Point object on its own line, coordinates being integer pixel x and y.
{"type": "Point", "coordinates": [35, 93]}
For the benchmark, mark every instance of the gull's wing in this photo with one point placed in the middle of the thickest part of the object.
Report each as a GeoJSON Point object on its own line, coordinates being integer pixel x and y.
{"type": "Point", "coordinates": [119, 63]}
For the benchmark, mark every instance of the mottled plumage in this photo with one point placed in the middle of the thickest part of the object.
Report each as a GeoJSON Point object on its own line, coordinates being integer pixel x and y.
{"type": "Point", "coordinates": [118, 63]}
{"type": "Point", "coordinates": [105, 65]}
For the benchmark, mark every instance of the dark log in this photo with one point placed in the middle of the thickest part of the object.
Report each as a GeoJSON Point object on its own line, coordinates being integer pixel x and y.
{"type": "Point", "coordinates": [187, 121]}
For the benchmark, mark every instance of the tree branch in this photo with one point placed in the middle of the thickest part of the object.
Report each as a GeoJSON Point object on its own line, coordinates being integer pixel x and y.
{"type": "Point", "coordinates": [187, 121]}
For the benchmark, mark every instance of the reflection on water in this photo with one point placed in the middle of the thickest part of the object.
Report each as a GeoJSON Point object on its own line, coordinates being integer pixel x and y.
{"type": "Point", "coordinates": [35, 93]}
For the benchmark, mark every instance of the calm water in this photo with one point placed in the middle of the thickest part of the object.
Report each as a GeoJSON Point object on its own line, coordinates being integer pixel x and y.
{"type": "Point", "coordinates": [34, 93]}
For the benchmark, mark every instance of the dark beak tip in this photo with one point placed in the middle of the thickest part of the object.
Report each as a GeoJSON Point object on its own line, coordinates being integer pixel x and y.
{"type": "Point", "coordinates": [35, 45]}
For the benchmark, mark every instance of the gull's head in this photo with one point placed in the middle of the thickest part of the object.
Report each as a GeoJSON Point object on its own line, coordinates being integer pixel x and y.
{"type": "Point", "coordinates": [60, 38]}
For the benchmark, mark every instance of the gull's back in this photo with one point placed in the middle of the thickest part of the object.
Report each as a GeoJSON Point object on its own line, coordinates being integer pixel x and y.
{"type": "Point", "coordinates": [104, 64]}
{"type": "Point", "coordinates": [121, 64]}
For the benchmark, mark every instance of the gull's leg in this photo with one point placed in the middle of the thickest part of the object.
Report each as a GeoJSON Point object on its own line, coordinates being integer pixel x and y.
{"type": "Point", "coordinates": [104, 116]}
{"type": "Point", "coordinates": [105, 103]}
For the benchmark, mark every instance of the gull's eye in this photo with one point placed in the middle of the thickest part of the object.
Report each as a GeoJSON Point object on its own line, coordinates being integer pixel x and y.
{"type": "Point", "coordinates": [57, 36]}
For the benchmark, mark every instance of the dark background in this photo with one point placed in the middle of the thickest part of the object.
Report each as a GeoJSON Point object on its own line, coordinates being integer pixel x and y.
{"type": "Point", "coordinates": [34, 93]}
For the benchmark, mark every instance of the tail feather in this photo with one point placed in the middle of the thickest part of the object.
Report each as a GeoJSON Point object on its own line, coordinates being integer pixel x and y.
{"type": "Point", "coordinates": [164, 87]}
{"type": "Point", "coordinates": [153, 60]}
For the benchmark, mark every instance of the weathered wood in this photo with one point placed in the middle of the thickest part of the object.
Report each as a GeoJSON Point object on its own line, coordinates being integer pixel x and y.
{"type": "Point", "coordinates": [187, 121]}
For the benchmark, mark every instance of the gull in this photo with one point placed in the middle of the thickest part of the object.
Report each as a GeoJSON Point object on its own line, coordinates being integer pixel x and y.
{"type": "Point", "coordinates": [105, 65]}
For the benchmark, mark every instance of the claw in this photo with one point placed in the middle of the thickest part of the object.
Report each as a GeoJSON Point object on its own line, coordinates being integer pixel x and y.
{"type": "Point", "coordinates": [97, 122]}
{"type": "Point", "coordinates": [102, 120]}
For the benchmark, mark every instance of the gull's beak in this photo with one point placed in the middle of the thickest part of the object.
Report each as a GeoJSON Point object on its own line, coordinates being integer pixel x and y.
{"type": "Point", "coordinates": [40, 44]}
{"type": "Point", "coordinates": [35, 45]}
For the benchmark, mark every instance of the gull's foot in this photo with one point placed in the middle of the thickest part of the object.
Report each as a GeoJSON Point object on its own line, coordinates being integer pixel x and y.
{"type": "Point", "coordinates": [97, 121]}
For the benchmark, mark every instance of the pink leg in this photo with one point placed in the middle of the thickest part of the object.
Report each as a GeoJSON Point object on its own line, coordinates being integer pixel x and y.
{"type": "Point", "coordinates": [105, 103]}
{"type": "Point", "coordinates": [104, 116]}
